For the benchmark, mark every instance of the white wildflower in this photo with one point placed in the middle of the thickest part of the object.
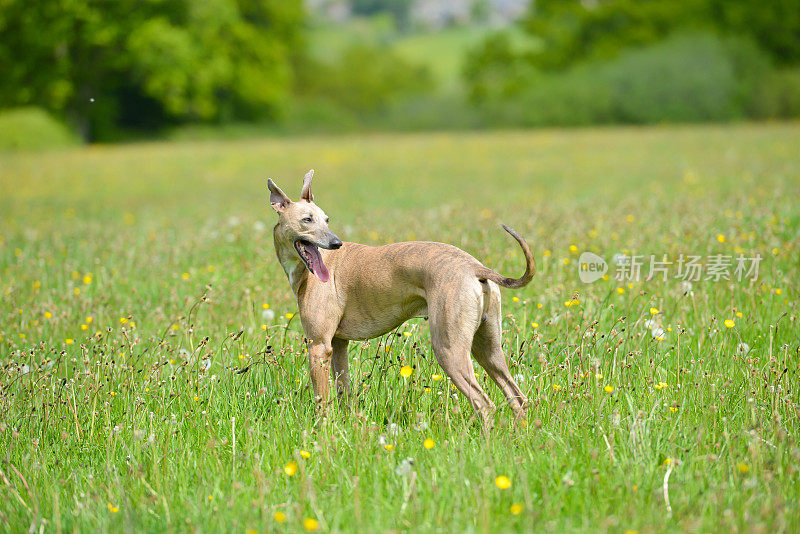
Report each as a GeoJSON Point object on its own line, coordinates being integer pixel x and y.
{"type": "Point", "coordinates": [657, 332]}
{"type": "Point", "coordinates": [404, 468]}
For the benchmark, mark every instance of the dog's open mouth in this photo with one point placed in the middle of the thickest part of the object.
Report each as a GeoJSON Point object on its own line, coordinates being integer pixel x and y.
{"type": "Point", "coordinates": [310, 255]}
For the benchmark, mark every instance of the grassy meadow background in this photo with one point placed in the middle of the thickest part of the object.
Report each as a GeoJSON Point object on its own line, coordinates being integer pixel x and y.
{"type": "Point", "coordinates": [153, 377]}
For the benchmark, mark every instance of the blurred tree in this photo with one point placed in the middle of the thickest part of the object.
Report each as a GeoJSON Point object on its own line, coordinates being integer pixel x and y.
{"type": "Point", "coordinates": [577, 30]}
{"type": "Point", "coordinates": [494, 69]}
{"type": "Point", "coordinates": [574, 30]}
{"type": "Point", "coordinates": [364, 79]}
{"type": "Point", "coordinates": [773, 24]}
{"type": "Point", "coordinates": [106, 64]}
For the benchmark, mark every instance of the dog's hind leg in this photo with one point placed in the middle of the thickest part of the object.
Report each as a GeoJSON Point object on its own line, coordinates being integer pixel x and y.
{"type": "Point", "coordinates": [488, 352]}
{"type": "Point", "coordinates": [453, 325]}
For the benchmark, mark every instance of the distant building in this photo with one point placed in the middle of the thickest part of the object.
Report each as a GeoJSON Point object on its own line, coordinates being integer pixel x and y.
{"type": "Point", "coordinates": [435, 14]}
{"type": "Point", "coordinates": [333, 10]}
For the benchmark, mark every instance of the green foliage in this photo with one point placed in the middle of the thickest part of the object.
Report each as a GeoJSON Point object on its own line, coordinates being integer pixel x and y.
{"type": "Point", "coordinates": [32, 128]}
{"type": "Point", "coordinates": [685, 78]}
{"type": "Point", "coordinates": [575, 30]}
{"type": "Point", "coordinates": [774, 25]}
{"type": "Point", "coordinates": [365, 78]}
{"type": "Point", "coordinates": [124, 63]}
{"type": "Point", "coordinates": [495, 69]}
{"type": "Point", "coordinates": [779, 96]}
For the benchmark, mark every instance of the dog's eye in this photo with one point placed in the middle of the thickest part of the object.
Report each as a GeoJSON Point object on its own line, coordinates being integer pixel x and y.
{"type": "Point", "coordinates": [327, 220]}
{"type": "Point", "coordinates": [308, 220]}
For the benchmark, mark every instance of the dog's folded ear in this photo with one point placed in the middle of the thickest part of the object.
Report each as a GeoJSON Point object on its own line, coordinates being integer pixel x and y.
{"type": "Point", "coordinates": [305, 193]}
{"type": "Point", "coordinates": [277, 198]}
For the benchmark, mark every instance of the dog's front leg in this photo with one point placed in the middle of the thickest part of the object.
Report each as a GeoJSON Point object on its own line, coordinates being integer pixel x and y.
{"type": "Point", "coordinates": [319, 362]}
{"type": "Point", "coordinates": [340, 369]}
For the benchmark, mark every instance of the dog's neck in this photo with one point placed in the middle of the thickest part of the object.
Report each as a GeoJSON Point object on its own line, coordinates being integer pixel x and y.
{"type": "Point", "coordinates": [292, 265]}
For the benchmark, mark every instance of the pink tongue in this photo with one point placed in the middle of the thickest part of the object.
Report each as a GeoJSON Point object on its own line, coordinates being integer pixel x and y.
{"type": "Point", "coordinates": [317, 267]}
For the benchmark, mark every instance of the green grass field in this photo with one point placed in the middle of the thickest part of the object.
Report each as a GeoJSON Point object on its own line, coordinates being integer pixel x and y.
{"type": "Point", "coordinates": [153, 375]}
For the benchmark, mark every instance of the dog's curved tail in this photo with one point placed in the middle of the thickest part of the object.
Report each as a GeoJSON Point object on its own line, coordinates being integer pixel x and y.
{"type": "Point", "coordinates": [484, 273]}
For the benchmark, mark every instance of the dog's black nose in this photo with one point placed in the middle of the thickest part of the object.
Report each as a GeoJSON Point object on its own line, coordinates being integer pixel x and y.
{"type": "Point", "coordinates": [336, 243]}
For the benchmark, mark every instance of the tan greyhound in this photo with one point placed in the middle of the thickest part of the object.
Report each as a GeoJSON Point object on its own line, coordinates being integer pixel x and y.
{"type": "Point", "coordinates": [360, 292]}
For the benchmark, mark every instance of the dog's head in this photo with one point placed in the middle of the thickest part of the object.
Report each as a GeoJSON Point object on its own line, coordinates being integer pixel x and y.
{"type": "Point", "coordinates": [305, 225]}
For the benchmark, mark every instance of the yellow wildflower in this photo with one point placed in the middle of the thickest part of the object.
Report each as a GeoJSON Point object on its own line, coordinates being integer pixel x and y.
{"type": "Point", "coordinates": [502, 482]}
{"type": "Point", "coordinates": [742, 467]}
{"type": "Point", "coordinates": [290, 469]}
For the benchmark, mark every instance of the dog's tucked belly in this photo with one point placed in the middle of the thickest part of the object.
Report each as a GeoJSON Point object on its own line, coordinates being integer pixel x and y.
{"type": "Point", "coordinates": [362, 321]}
